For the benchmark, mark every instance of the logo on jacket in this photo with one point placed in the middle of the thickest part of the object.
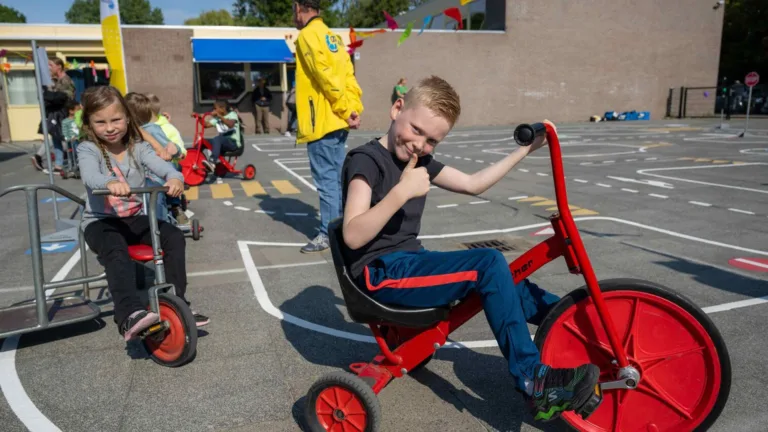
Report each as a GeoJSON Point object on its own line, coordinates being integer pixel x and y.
{"type": "Point", "coordinates": [333, 42]}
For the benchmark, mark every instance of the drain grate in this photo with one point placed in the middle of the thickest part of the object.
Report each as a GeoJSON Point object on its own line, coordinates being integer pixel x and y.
{"type": "Point", "coordinates": [499, 245]}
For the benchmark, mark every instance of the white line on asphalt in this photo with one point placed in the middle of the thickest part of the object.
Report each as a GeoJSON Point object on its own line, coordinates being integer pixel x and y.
{"type": "Point", "coordinates": [227, 203]}
{"type": "Point", "coordinates": [603, 185]}
{"type": "Point", "coordinates": [741, 211]}
{"type": "Point", "coordinates": [242, 208]}
{"type": "Point", "coordinates": [297, 214]}
{"type": "Point", "coordinates": [279, 163]}
{"type": "Point", "coordinates": [608, 162]}
{"type": "Point", "coordinates": [479, 202]}
{"type": "Point", "coordinates": [447, 205]}
{"type": "Point", "coordinates": [630, 160]}
{"type": "Point", "coordinates": [648, 171]}
{"type": "Point", "coordinates": [522, 170]}
{"type": "Point", "coordinates": [479, 161]}
{"type": "Point", "coordinates": [518, 197]}
{"type": "Point", "coordinates": [542, 174]}
{"type": "Point", "coordinates": [754, 263]}
{"type": "Point", "coordinates": [265, 212]}
{"type": "Point", "coordinates": [699, 203]}
{"type": "Point", "coordinates": [580, 181]}
{"type": "Point", "coordinates": [658, 196]}
{"type": "Point", "coordinates": [629, 190]}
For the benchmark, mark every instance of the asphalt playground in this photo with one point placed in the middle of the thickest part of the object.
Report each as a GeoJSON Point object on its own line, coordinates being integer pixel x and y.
{"type": "Point", "coordinates": [679, 203]}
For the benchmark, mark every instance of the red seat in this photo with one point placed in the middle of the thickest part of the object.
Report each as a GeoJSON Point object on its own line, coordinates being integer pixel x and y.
{"type": "Point", "coordinates": [142, 253]}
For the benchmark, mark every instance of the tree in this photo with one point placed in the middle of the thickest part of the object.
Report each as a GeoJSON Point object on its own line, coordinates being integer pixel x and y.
{"type": "Point", "coordinates": [11, 15]}
{"type": "Point", "coordinates": [131, 12]}
{"type": "Point", "coordinates": [278, 13]}
{"type": "Point", "coordinates": [368, 13]}
{"type": "Point", "coordinates": [220, 17]}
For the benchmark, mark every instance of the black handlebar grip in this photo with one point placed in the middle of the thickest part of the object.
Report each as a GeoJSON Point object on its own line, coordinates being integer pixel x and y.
{"type": "Point", "coordinates": [526, 134]}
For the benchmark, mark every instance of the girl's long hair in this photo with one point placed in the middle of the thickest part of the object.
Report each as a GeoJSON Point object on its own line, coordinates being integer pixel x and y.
{"type": "Point", "coordinates": [98, 98]}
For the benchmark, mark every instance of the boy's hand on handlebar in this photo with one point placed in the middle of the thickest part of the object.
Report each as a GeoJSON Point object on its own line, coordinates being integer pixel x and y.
{"type": "Point", "coordinates": [175, 187]}
{"type": "Point", "coordinates": [119, 189]}
{"type": "Point", "coordinates": [164, 154]}
{"type": "Point", "coordinates": [540, 141]}
{"type": "Point", "coordinates": [415, 180]}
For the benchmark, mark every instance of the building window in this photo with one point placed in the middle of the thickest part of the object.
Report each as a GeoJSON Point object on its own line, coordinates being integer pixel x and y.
{"type": "Point", "coordinates": [22, 87]}
{"type": "Point", "coordinates": [221, 81]}
{"type": "Point", "coordinates": [269, 71]}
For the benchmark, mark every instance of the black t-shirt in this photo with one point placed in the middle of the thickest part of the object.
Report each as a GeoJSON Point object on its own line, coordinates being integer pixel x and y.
{"type": "Point", "coordinates": [382, 170]}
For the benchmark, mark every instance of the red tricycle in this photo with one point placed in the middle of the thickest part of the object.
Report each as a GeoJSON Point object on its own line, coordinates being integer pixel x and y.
{"type": "Point", "coordinates": [664, 365]}
{"type": "Point", "coordinates": [192, 167]}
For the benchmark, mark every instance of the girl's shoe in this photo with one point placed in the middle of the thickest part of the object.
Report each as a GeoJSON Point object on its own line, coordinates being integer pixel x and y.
{"type": "Point", "coordinates": [136, 322]}
{"type": "Point", "coordinates": [200, 320]}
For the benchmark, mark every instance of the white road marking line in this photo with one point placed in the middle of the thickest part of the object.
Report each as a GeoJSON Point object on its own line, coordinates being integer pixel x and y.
{"type": "Point", "coordinates": [542, 174]}
{"type": "Point", "coordinates": [479, 161]}
{"type": "Point", "coordinates": [463, 146]}
{"type": "Point", "coordinates": [658, 196]}
{"type": "Point", "coordinates": [518, 197]}
{"type": "Point", "coordinates": [741, 211]}
{"type": "Point", "coordinates": [580, 181]}
{"type": "Point", "coordinates": [296, 214]}
{"type": "Point", "coordinates": [279, 163]}
{"type": "Point", "coordinates": [648, 171]}
{"type": "Point", "coordinates": [447, 205]}
{"type": "Point", "coordinates": [227, 203]}
{"type": "Point", "coordinates": [274, 154]}
{"type": "Point", "coordinates": [629, 190]}
{"type": "Point", "coordinates": [608, 162]}
{"type": "Point", "coordinates": [699, 203]}
{"type": "Point", "coordinates": [523, 170]}
{"type": "Point", "coordinates": [265, 212]}
{"type": "Point", "coordinates": [468, 159]}
{"type": "Point", "coordinates": [630, 160]}
{"type": "Point", "coordinates": [478, 202]}
{"type": "Point", "coordinates": [242, 208]}
{"type": "Point", "coordinates": [603, 185]}
{"type": "Point", "coordinates": [586, 163]}
{"type": "Point", "coordinates": [754, 263]}
{"type": "Point", "coordinates": [651, 159]}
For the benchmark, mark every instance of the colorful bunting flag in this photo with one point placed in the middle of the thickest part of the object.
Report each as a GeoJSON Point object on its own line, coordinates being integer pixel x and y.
{"type": "Point", "coordinates": [455, 13]}
{"type": "Point", "coordinates": [406, 33]}
{"type": "Point", "coordinates": [372, 33]}
{"type": "Point", "coordinates": [391, 23]}
{"type": "Point", "coordinates": [427, 19]}
{"type": "Point", "coordinates": [466, 2]}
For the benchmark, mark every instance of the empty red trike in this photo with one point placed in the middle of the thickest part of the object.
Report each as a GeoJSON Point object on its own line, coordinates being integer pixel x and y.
{"type": "Point", "coordinates": [193, 169]}
{"type": "Point", "coordinates": [664, 365]}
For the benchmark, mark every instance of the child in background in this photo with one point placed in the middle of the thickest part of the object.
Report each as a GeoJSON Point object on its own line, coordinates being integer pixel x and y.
{"type": "Point", "coordinates": [71, 131]}
{"type": "Point", "coordinates": [228, 124]}
{"type": "Point", "coordinates": [113, 156]}
{"type": "Point", "coordinates": [140, 107]}
{"type": "Point", "coordinates": [164, 121]}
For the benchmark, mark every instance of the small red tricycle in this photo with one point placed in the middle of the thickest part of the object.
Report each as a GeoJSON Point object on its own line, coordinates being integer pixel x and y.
{"type": "Point", "coordinates": [192, 167]}
{"type": "Point", "coordinates": [664, 365]}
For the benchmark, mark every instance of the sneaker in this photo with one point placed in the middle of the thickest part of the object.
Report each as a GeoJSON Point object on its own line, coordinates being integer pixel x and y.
{"type": "Point", "coordinates": [558, 390]}
{"type": "Point", "coordinates": [200, 319]}
{"type": "Point", "coordinates": [208, 165]}
{"type": "Point", "coordinates": [37, 162]}
{"type": "Point", "coordinates": [182, 219]}
{"type": "Point", "coordinates": [136, 322]}
{"type": "Point", "coordinates": [318, 244]}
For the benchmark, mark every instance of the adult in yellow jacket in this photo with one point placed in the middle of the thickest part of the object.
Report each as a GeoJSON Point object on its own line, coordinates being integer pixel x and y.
{"type": "Point", "coordinates": [328, 104]}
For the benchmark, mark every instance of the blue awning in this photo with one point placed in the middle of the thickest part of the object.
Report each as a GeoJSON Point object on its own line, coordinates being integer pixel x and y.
{"type": "Point", "coordinates": [241, 51]}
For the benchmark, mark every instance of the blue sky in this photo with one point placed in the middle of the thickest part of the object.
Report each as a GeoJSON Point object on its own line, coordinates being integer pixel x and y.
{"type": "Point", "coordinates": [174, 11]}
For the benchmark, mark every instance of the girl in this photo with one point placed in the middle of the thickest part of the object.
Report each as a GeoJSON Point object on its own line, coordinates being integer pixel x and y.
{"type": "Point", "coordinates": [114, 157]}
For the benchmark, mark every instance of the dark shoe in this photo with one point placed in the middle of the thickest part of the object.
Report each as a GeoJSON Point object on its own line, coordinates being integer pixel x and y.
{"type": "Point", "coordinates": [317, 244]}
{"type": "Point", "coordinates": [558, 390]}
{"type": "Point", "coordinates": [37, 162]}
{"type": "Point", "coordinates": [138, 321]}
{"type": "Point", "coordinates": [208, 165]}
{"type": "Point", "coordinates": [200, 320]}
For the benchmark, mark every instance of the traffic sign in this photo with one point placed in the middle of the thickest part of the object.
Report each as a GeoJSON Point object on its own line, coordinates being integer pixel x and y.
{"type": "Point", "coordinates": [752, 79]}
{"type": "Point", "coordinates": [753, 264]}
{"type": "Point", "coordinates": [59, 247]}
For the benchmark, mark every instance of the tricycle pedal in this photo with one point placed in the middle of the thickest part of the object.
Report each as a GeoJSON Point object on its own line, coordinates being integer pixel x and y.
{"type": "Point", "coordinates": [154, 329]}
{"type": "Point", "coordinates": [591, 405]}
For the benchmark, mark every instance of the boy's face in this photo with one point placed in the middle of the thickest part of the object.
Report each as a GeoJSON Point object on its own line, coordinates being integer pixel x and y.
{"type": "Point", "coordinates": [415, 129]}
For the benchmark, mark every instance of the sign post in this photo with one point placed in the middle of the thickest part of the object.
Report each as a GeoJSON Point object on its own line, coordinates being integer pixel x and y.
{"type": "Point", "coordinates": [750, 80]}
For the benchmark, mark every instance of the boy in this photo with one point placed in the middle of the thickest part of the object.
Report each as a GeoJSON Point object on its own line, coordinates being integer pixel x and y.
{"type": "Point", "coordinates": [385, 183]}
{"type": "Point", "coordinates": [141, 107]}
{"type": "Point", "coordinates": [227, 123]}
{"type": "Point", "coordinates": [168, 129]}
{"type": "Point", "coordinates": [71, 130]}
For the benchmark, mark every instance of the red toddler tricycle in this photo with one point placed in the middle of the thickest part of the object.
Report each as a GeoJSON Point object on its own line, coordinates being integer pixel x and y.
{"type": "Point", "coordinates": [664, 365]}
{"type": "Point", "coordinates": [193, 169]}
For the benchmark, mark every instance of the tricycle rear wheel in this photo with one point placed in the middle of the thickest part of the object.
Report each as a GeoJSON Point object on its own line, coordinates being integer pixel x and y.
{"type": "Point", "coordinates": [342, 401]}
{"type": "Point", "coordinates": [683, 362]}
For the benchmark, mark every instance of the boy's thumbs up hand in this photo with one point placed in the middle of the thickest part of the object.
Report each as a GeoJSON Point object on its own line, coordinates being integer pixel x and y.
{"type": "Point", "coordinates": [415, 180]}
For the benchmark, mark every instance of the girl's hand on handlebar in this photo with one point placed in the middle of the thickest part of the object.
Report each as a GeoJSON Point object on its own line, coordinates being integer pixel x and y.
{"type": "Point", "coordinates": [119, 189]}
{"type": "Point", "coordinates": [175, 187]}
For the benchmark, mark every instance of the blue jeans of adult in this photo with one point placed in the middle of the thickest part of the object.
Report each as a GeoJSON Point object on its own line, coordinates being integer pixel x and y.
{"type": "Point", "coordinates": [326, 157]}
{"type": "Point", "coordinates": [431, 279]}
{"type": "Point", "coordinates": [58, 152]}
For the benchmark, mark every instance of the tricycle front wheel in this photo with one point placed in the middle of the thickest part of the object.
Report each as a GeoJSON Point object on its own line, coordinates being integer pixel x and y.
{"type": "Point", "coordinates": [685, 369]}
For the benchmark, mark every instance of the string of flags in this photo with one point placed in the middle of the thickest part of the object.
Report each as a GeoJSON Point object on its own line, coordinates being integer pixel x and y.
{"type": "Point", "coordinates": [6, 67]}
{"type": "Point", "coordinates": [355, 43]}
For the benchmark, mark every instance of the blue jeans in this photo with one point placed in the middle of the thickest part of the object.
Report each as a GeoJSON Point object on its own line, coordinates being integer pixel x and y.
{"type": "Point", "coordinates": [326, 157]}
{"type": "Point", "coordinates": [431, 279]}
{"type": "Point", "coordinates": [221, 143]}
{"type": "Point", "coordinates": [57, 150]}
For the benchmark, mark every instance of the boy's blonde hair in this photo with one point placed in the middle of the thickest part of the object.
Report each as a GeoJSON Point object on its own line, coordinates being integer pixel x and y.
{"type": "Point", "coordinates": [154, 103]}
{"type": "Point", "coordinates": [140, 106]}
{"type": "Point", "coordinates": [438, 96]}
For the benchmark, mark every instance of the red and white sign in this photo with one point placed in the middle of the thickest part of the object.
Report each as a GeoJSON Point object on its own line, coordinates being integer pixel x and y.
{"type": "Point", "coordinates": [752, 79]}
{"type": "Point", "coordinates": [752, 264]}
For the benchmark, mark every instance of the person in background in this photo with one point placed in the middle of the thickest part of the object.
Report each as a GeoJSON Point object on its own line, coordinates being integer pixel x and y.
{"type": "Point", "coordinates": [400, 90]}
{"type": "Point", "coordinates": [290, 103]}
{"type": "Point", "coordinates": [261, 99]}
{"type": "Point", "coordinates": [71, 130]}
{"type": "Point", "coordinates": [228, 123]}
{"type": "Point", "coordinates": [328, 102]}
{"type": "Point", "coordinates": [163, 120]}
{"type": "Point", "coordinates": [55, 99]}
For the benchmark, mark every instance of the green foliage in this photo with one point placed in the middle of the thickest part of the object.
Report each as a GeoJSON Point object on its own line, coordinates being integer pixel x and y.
{"type": "Point", "coordinates": [220, 17]}
{"type": "Point", "coordinates": [11, 15]}
{"type": "Point", "coordinates": [131, 12]}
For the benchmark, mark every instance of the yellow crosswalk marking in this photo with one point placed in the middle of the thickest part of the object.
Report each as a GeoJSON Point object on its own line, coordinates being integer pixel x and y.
{"type": "Point", "coordinates": [738, 162]}
{"type": "Point", "coordinates": [252, 188]}
{"type": "Point", "coordinates": [583, 212]}
{"type": "Point", "coordinates": [702, 160]}
{"type": "Point", "coordinates": [221, 190]}
{"type": "Point", "coordinates": [285, 187]}
{"type": "Point", "coordinates": [531, 199]}
{"type": "Point", "coordinates": [544, 203]}
{"type": "Point", "coordinates": [719, 161]}
{"type": "Point", "coordinates": [192, 193]}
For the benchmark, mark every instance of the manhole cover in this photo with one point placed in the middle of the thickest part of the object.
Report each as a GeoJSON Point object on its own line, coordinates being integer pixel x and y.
{"type": "Point", "coordinates": [499, 245]}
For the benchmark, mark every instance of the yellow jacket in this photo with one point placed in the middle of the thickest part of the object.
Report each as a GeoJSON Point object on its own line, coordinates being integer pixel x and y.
{"type": "Point", "coordinates": [326, 89]}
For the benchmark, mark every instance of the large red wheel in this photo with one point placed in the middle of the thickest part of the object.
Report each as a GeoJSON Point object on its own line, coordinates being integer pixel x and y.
{"type": "Point", "coordinates": [342, 402]}
{"type": "Point", "coordinates": [178, 344]}
{"type": "Point", "coordinates": [685, 370]}
{"type": "Point", "coordinates": [193, 169]}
